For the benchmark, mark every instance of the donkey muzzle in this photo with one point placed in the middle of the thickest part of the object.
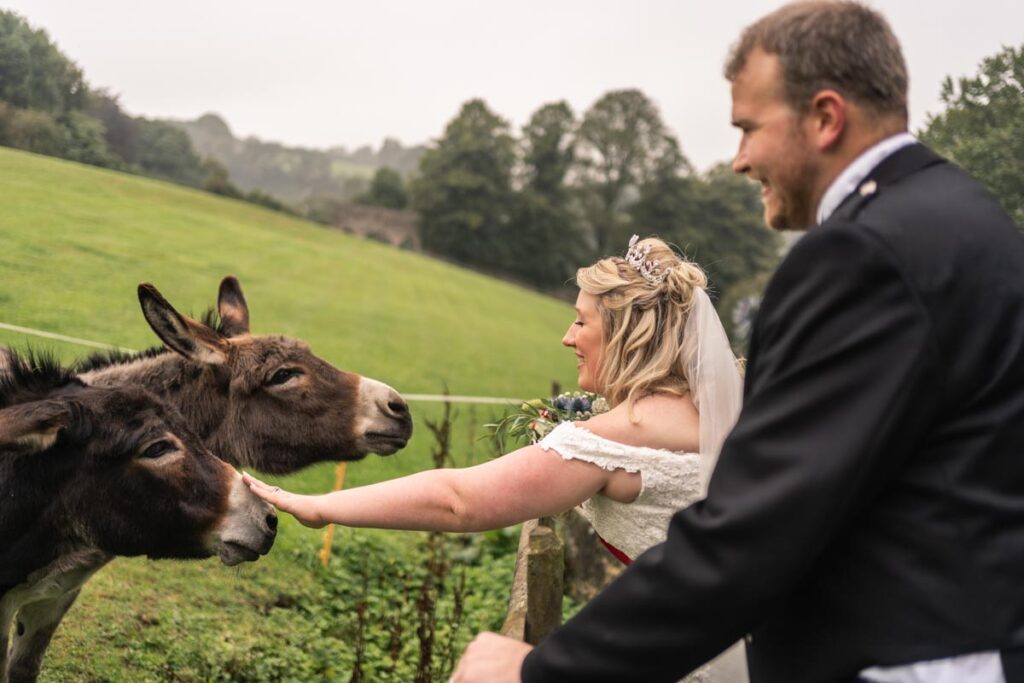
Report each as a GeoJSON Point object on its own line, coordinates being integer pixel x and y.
{"type": "Point", "coordinates": [386, 423]}
{"type": "Point", "coordinates": [248, 528]}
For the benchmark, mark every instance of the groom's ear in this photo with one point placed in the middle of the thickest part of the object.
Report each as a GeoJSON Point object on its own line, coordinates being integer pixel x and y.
{"type": "Point", "coordinates": [827, 118]}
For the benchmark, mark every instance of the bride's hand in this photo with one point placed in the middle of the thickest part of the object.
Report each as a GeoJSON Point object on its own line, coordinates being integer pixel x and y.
{"type": "Point", "coordinates": [303, 508]}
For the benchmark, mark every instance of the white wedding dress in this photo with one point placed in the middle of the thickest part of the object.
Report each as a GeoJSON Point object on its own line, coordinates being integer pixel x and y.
{"type": "Point", "coordinates": [669, 482]}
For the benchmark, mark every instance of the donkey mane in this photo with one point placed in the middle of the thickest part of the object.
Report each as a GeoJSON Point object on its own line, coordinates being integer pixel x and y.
{"type": "Point", "coordinates": [32, 376]}
{"type": "Point", "coordinates": [106, 359]}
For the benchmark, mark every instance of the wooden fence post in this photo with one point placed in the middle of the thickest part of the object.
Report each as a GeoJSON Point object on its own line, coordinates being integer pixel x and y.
{"type": "Point", "coordinates": [544, 572]}
{"type": "Point", "coordinates": [535, 603]}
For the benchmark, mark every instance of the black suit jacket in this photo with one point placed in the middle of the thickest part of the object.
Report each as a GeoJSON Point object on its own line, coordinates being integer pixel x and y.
{"type": "Point", "coordinates": [868, 508]}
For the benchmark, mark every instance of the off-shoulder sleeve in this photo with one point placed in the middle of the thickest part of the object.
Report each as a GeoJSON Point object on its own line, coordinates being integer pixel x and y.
{"type": "Point", "coordinates": [577, 443]}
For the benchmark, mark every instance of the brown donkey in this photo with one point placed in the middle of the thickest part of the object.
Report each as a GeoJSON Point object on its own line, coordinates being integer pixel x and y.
{"type": "Point", "coordinates": [263, 402]}
{"type": "Point", "coordinates": [89, 473]}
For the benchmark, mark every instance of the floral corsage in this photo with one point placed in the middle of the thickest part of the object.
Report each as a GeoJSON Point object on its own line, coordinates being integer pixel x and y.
{"type": "Point", "coordinates": [536, 418]}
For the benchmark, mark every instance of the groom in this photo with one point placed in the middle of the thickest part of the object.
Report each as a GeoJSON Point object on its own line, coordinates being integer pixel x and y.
{"type": "Point", "coordinates": [866, 519]}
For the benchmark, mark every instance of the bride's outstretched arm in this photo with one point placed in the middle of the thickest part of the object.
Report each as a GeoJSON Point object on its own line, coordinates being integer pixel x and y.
{"type": "Point", "coordinates": [521, 485]}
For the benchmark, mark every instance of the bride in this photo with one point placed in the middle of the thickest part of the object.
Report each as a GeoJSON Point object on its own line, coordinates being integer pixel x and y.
{"type": "Point", "coordinates": [647, 338]}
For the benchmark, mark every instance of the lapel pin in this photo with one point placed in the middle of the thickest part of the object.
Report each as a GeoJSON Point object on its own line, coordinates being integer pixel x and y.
{"type": "Point", "coordinates": [868, 188]}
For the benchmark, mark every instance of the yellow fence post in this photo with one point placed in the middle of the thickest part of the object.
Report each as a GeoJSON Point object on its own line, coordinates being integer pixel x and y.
{"type": "Point", "coordinates": [339, 481]}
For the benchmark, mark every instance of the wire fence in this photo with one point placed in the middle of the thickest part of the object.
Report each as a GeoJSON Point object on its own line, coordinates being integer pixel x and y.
{"type": "Point", "coordinates": [429, 398]}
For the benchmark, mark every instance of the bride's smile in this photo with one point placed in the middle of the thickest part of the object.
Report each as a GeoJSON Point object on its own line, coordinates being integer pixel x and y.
{"type": "Point", "coordinates": [586, 336]}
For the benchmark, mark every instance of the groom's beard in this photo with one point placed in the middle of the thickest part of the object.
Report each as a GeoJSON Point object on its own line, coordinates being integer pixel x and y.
{"type": "Point", "coordinates": [788, 189]}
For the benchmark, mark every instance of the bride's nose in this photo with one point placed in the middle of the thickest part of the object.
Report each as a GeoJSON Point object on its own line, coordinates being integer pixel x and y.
{"type": "Point", "coordinates": [568, 339]}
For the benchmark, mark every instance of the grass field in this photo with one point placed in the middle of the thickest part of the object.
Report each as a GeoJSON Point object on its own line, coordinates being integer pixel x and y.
{"type": "Point", "coordinates": [77, 240]}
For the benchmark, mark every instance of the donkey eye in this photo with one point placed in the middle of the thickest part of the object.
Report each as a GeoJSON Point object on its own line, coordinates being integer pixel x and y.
{"type": "Point", "coordinates": [158, 449]}
{"type": "Point", "coordinates": [283, 375]}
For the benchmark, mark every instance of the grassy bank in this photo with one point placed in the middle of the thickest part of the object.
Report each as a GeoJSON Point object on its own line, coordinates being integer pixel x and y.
{"type": "Point", "coordinates": [76, 242]}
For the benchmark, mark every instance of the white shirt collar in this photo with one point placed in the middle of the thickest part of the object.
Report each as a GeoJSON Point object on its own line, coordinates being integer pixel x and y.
{"type": "Point", "coordinates": [858, 170]}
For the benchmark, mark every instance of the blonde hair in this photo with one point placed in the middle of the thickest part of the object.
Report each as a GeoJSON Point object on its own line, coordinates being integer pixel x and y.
{"type": "Point", "coordinates": [645, 350]}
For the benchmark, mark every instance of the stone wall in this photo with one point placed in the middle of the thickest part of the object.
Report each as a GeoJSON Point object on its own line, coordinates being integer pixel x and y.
{"type": "Point", "coordinates": [397, 228]}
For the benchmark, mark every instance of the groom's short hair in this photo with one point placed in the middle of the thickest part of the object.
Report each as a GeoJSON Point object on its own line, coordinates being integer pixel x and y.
{"type": "Point", "coordinates": [830, 44]}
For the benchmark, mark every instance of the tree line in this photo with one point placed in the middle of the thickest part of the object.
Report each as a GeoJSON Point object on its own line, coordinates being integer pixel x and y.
{"type": "Point", "coordinates": [568, 190]}
{"type": "Point", "coordinates": [47, 107]}
{"type": "Point", "coordinates": [295, 174]}
{"type": "Point", "coordinates": [532, 204]}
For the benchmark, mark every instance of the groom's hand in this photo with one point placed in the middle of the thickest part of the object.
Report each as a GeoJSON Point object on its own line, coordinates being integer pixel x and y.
{"type": "Point", "coordinates": [491, 658]}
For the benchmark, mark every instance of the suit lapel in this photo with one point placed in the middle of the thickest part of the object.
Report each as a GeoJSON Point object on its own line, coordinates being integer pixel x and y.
{"type": "Point", "coordinates": [894, 168]}
{"type": "Point", "coordinates": [898, 165]}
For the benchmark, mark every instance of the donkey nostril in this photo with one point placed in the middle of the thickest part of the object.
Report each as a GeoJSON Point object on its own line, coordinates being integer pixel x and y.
{"type": "Point", "coordinates": [398, 407]}
{"type": "Point", "coordinates": [272, 521]}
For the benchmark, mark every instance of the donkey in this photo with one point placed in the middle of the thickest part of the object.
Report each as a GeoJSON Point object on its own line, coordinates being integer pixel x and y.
{"type": "Point", "coordinates": [264, 402]}
{"type": "Point", "coordinates": [90, 473]}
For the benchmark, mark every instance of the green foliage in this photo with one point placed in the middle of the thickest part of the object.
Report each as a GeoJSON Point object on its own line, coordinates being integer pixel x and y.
{"type": "Point", "coordinates": [548, 242]}
{"type": "Point", "coordinates": [77, 241]}
{"type": "Point", "coordinates": [215, 179]}
{"type": "Point", "coordinates": [537, 417]}
{"type": "Point", "coordinates": [33, 72]}
{"type": "Point", "coordinates": [374, 598]}
{"type": "Point", "coordinates": [46, 107]}
{"type": "Point", "coordinates": [549, 149]}
{"type": "Point", "coordinates": [582, 190]}
{"type": "Point", "coordinates": [79, 138]}
{"type": "Point", "coordinates": [120, 131]}
{"type": "Point", "coordinates": [982, 128]}
{"type": "Point", "coordinates": [622, 145]}
{"type": "Point", "coordinates": [464, 191]}
{"type": "Point", "coordinates": [392, 154]}
{"type": "Point", "coordinates": [322, 208]}
{"type": "Point", "coordinates": [294, 174]}
{"type": "Point", "coordinates": [387, 189]}
{"type": "Point", "coordinates": [165, 152]}
{"type": "Point", "coordinates": [85, 142]}
{"type": "Point", "coordinates": [30, 130]}
{"type": "Point", "coordinates": [715, 220]}
{"type": "Point", "coordinates": [267, 201]}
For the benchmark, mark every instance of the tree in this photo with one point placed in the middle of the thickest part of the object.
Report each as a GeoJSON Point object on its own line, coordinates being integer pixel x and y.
{"type": "Point", "coordinates": [622, 144]}
{"type": "Point", "coordinates": [30, 130]}
{"type": "Point", "coordinates": [166, 152]}
{"type": "Point", "coordinates": [548, 242]}
{"type": "Point", "coordinates": [549, 149]}
{"type": "Point", "coordinates": [716, 221]}
{"type": "Point", "coordinates": [217, 180]}
{"type": "Point", "coordinates": [85, 141]}
{"type": "Point", "coordinates": [120, 131]}
{"type": "Point", "coordinates": [464, 189]}
{"type": "Point", "coordinates": [402, 159]}
{"type": "Point", "coordinates": [982, 128]}
{"type": "Point", "coordinates": [387, 189]}
{"type": "Point", "coordinates": [33, 72]}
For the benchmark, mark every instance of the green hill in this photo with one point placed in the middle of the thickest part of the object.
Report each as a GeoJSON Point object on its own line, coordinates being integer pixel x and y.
{"type": "Point", "coordinates": [76, 242]}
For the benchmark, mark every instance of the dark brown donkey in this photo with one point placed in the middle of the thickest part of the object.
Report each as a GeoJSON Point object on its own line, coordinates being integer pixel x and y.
{"type": "Point", "coordinates": [89, 473]}
{"type": "Point", "coordinates": [263, 402]}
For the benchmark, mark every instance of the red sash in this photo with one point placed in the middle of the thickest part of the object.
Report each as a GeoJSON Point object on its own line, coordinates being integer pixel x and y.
{"type": "Point", "coordinates": [619, 555]}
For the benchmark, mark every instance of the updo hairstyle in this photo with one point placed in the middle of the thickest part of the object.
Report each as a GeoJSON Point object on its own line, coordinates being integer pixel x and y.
{"type": "Point", "coordinates": [643, 322]}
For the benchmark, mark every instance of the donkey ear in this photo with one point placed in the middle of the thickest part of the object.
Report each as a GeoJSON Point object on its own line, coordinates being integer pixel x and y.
{"type": "Point", "coordinates": [231, 306]}
{"type": "Point", "coordinates": [181, 334]}
{"type": "Point", "coordinates": [33, 426]}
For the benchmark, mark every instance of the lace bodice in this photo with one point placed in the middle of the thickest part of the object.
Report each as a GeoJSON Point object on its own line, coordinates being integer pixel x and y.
{"type": "Point", "coordinates": [669, 482]}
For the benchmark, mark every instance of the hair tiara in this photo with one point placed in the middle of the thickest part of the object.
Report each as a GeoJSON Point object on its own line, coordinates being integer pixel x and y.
{"type": "Point", "coordinates": [636, 256]}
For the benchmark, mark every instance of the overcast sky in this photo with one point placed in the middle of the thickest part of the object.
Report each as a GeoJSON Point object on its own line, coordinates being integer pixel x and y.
{"type": "Point", "coordinates": [327, 73]}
